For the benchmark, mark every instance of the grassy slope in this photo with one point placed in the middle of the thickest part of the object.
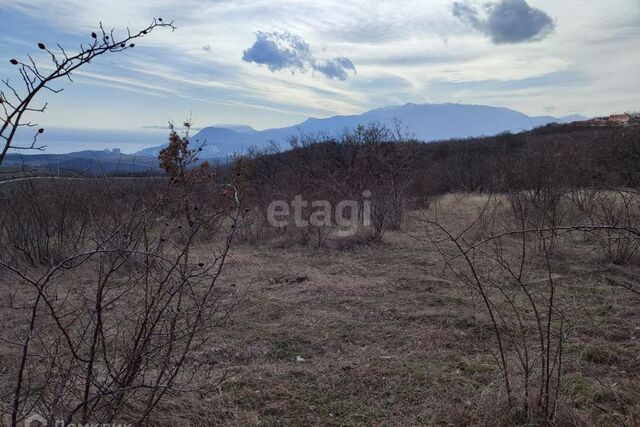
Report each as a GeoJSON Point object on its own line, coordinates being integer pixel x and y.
{"type": "Point", "coordinates": [386, 341]}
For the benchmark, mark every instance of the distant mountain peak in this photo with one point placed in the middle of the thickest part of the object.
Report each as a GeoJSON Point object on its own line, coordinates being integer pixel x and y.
{"type": "Point", "coordinates": [427, 122]}
{"type": "Point", "coordinates": [235, 127]}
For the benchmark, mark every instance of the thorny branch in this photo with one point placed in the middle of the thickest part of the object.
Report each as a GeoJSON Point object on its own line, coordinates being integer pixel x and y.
{"type": "Point", "coordinates": [14, 104]}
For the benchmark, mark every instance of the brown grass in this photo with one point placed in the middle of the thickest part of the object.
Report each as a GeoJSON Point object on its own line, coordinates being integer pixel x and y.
{"type": "Point", "coordinates": [377, 334]}
{"type": "Point", "coordinates": [386, 340]}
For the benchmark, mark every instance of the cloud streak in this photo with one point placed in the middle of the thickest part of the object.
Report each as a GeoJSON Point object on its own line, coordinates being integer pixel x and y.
{"type": "Point", "coordinates": [403, 51]}
{"type": "Point", "coordinates": [506, 22]}
{"type": "Point", "coordinates": [286, 51]}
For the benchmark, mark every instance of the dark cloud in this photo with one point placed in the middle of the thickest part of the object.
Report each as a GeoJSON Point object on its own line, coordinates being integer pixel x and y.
{"type": "Point", "coordinates": [280, 51]}
{"type": "Point", "coordinates": [335, 68]}
{"type": "Point", "coordinates": [468, 13]}
{"type": "Point", "coordinates": [508, 21]}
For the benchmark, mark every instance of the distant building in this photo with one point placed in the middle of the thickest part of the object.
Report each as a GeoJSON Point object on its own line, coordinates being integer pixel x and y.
{"type": "Point", "coordinates": [614, 120]}
{"type": "Point", "coordinates": [620, 119]}
{"type": "Point", "coordinates": [596, 122]}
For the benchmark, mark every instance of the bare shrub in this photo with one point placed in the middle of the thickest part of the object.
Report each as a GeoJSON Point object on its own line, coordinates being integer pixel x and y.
{"type": "Point", "coordinates": [15, 103]}
{"type": "Point", "coordinates": [615, 213]}
{"type": "Point", "coordinates": [107, 325]}
{"type": "Point", "coordinates": [515, 284]}
{"type": "Point", "coordinates": [370, 160]}
{"type": "Point", "coordinates": [512, 263]}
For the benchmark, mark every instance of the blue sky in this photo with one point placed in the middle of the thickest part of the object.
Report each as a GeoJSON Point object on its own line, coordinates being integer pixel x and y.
{"type": "Point", "coordinates": [271, 63]}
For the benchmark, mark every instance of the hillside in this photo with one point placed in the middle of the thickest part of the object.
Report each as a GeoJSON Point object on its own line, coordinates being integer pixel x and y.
{"type": "Point", "coordinates": [370, 159]}
{"type": "Point", "coordinates": [84, 162]}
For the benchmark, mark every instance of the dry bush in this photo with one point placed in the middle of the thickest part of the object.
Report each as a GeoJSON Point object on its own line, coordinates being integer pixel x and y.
{"type": "Point", "coordinates": [45, 219]}
{"type": "Point", "coordinates": [332, 169]}
{"type": "Point", "coordinates": [37, 78]}
{"type": "Point", "coordinates": [616, 215]}
{"type": "Point", "coordinates": [511, 259]}
{"type": "Point", "coordinates": [106, 323]}
{"type": "Point", "coordinates": [516, 288]}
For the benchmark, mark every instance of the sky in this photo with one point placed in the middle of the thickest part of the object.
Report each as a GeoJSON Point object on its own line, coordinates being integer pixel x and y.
{"type": "Point", "coordinates": [275, 63]}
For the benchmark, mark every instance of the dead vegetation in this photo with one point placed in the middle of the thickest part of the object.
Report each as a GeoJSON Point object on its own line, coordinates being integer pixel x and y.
{"type": "Point", "coordinates": [494, 284]}
{"type": "Point", "coordinates": [510, 308]}
{"type": "Point", "coordinates": [105, 299]}
{"type": "Point", "coordinates": [388, 333]}
{"type": "Point", "coordinates": [384, 334]}
{"type": "Point", "coordinates": [369, 333]}
{"type": "Point", "coordinates": [17, 104]}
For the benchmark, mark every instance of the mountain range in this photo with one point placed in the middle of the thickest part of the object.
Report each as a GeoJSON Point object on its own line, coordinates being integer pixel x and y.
{"type": "Point", "coordinates": [425, 122]}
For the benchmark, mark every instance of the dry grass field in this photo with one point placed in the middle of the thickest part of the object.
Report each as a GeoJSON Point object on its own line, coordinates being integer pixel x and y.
{"type": "Point", "coordinates": [384, 335]}
{"type": "Point", "coordinates": [357, 333]}
{"type": "Point", "coordinates": [388, 268]}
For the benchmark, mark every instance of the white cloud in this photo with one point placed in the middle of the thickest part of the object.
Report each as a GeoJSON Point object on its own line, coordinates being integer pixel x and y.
{"type": "Point", "coordinates": [412, 41]}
